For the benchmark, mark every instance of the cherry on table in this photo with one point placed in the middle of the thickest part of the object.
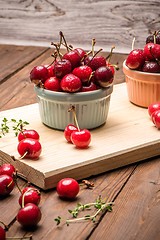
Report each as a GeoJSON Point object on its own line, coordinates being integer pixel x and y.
{"type": "Point", "coordinates": [39, 73]}
{"type": "Point", "coordinates": [83, 73]}
{"type": "Point", "coordinates": [6, 184]}
{"type": "Point", "coordinates": [68, 188]}
{"type": "Point", "coordinates": [62, 68]}
{"type": "Point", "coordinates": [29, 215]}
{"type": "Point", "coordinates": [2, 234]}
{"type": "Point", "coordinates": [95, 62]}
{"type": "Point", "coordinates": [81, 138]}
{"type": "Point", "coordinates": [153, 107]}
{"type": "Point", "coordinates": [156, 118]}
{"type": "Point", "coordinates": [7, 169]}
{"type": "Point", "coordinates": [30, 133]}
{"type": "Point", "coordinates": [135, 59]}
{"type": "Point", "coordinates": [31, 196]}
{"type": "Point", "coordinates": [68, 131]}
{"type": "Point", "coordinates": [53, 84]}
{"type": "Point", "coordinates": [70, 83]}
{"type": "Point", "coordinates": [74, 57]}
{"type": "Point", "coordinates": [103, 76]}
{"type": "Point", "coordinates": [29, 147]}
{"type": "Point", "coordinates": [151, 67]}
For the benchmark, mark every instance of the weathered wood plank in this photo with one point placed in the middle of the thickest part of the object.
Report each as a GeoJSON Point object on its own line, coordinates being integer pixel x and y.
{"type": "Point", "coordinates": [14, 58]}
{"type": "Point", "coordinates": [135, 214]}
{"type": "Point", "coordinates": [110, 22]}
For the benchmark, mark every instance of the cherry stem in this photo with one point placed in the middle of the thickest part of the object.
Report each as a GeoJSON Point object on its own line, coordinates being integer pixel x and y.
{"type": "Point", "coordinates": [31, 189]}
{"type": "Point", "coordinates": [154, 37]}
{"type": "Point", "coordinates": [62, 35]}
{"type": "Point", "coordinates": [110, 55]}
{"type": "Point", "coordinates": [87, 183]}
{"type": "Point", "coordinates": [133, 43]}
{"type": "Point", "coordinates": [93, 44]}
{"type": "Point", "coordinates": [94, 56]}
{"type": "Point", "coordinates": [70, 48]}
{"type": "Point", "coordinates": [58, 49]}
{"type": "Point", "coordinates": [153, 55]}
{"type": "Point", "coordinates": [9, 184]}
{"type": "Point", "coordinates": [23, 155]}
{"type": "Point", "coordinates": [15, 180]}
{"type": "Point", "coordinates": [30, 237]}
{"type": "Point", "coordinates": [74, 116]}
{"type": "Point", "coordinates": [5, 226]}
{"type": "Point", "coordinates": [90, 77]}
{"type": "Point", "coordinates": [86, 55]}
{"type": "Point", "coordinates": [116, 67]}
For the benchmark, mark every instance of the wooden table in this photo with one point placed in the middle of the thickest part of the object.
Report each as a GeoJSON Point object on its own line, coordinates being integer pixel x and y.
{"type": "Point", "coordinates": [135, 189]}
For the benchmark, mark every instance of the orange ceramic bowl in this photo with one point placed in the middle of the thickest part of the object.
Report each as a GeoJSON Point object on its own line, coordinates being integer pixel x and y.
{"type": "Point", "coordinates": [143, 88]}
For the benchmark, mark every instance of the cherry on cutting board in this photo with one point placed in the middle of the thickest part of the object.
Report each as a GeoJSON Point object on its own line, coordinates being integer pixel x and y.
{"type": "Point", "coordinates": [70, 83]}
{"type": "Point", "coordinates": [53, 84]}
{"type": "Point", "coordinates": [6, 184]}
{"type": "Point", "coordinates": [28, 134]}
{"type": "Point", "coordinates": [30, 148]}
{"type": "Point", "coordinates": [39, 73]}
{"type": "Point", "coordinates": [32, 196]}
{"type": "Point", "coordinates": [156, 118]}
{"type": "Point", "coordinates": [2, 234]}
{"type": "Point", "coordinates": [62, 68]}
{"type": "Point", "coordinates": [68, 188]}
{"type": "Point", "coordinates": [7, 169]}
{"type": "Point", "coordinates": [29, 215]}
{"type": "Point", "coordinates": [153, 107]}
{"type": "Point", "coordinates": [81, 138]}
{"type": "Point", "coordinates": [68, 131]}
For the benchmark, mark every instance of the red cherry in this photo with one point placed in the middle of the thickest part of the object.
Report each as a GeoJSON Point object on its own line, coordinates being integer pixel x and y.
{"type": "Point", "coordinates": [7, 169]}
{"type": "Point", "coordinates": [50, 69]}
{"type": "Point", "coordinates": [81, 138]}
{"type": "Point", "coordinates": [103, 76]}
{"type": "Point", "coordinates": [30, 146]}
{"type": "Point", "coordinates": [83, 73]}
{"type": "Point", "coordinates": [91, 87]}
{"type": "Point", "coordinates": [62, 68]}
{"type": "Point", "coordinates": [70, 83]}
{"type": "Point", "coordinates": [135, 59]}
{"type": "Point", "coordinates": [151, 67]}
{"type": "Point", "coordinates": [28, 134]}
{"type": "Point", "coordinates": [30, 197]}
{"type": "Point", "coordinates": [30, 215]}
{"type": "Point", "coordinates": [6, 184]}
{"type": "Point", "coordinates": [112, 68]}
{"type": "Point", "coordinates": [80, 51]}
{"type": "Point", "coordinates": [68, 131]}
{"type": "Point", "coordinates": [39, 73]}
{"type": "Point", "coordinates": [152, 51]}
{"type": "Point", "coordinates": [53, 84]}
{"type": "Point", "coordinates": [2, 234]}
{"type": "Point", "coordinates": [156, 118]}
{"type": "Point", "coordinates": [74, 58]}
{"type": "Point", "coordinates": [96, 62]}
{"type": "Point", "coordinates": [68, 188]}
{"type": "Point", "coordinates": [153, 107]}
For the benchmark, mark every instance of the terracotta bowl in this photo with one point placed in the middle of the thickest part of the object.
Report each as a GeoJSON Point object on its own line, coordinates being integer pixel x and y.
{"type": "Point", "coordinates": [143, 88]}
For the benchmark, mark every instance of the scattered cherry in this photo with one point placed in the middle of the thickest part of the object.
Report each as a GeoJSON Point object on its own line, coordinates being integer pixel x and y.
{"type": "Point", "coordinates": [28, 134]}
{"type": "Point", "coordinates": [6, 184]}
{"type": "Point", "coordinates": [2, 234]}
{"type": "Point", "coordinates": [68, 188]}
{"type": "Point", "coordinates": [81, 138]}
{"type": "Point", "coordinates": [68, 131]}
{"type": "Point", "coordinates": [153, 107]}
{"type": "Point", "coordinates": [156, 118]}
{"type": "Point", "coordinates": [29, 215]}
{"type": "Point", "coordinates": [53, 84]}
{"type": "Point", "coordinates": [70, 83]}
{"type": "Point", "coordinates": [30, 148]}
{"type": "Point", "coordinates": [39, 73]}
{"type": "Point", "coordinates": [7, 169]}
{"type": "Point", "coordinates": [32, 196]}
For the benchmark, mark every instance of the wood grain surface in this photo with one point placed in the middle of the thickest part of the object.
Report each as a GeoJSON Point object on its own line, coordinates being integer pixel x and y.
{"type": "Point", "coordinates": [134, 189]}
{"type": "Point", "coordinates": [110, 22]}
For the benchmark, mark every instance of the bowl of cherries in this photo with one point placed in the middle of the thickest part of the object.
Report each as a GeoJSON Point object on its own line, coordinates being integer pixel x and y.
{"type": "Point", "coordinates": [79, 78]}
{"type": "Point", "coordinates": [142, 72]}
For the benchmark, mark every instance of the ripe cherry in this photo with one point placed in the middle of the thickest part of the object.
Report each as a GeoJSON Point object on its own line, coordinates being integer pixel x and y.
{"type": "Point", "coordinates": [152, 51]}
{"type": "Point", "coordinates": [53, 84]}
{"type": "Point", "coordinates": [6, 184]}
{"type": "Point", "coordinates": [95, 62]}
{"type": "Point", "coordinates": [151, 67]}
{"type": "Point", "coordinates": [29, 147]}
{"type": "Point", "coordinates": [68, 131]}
{"type": "Point", "coordinates": [32, 196]}
{"type": "Point", "coordinates": [2, 234]}
{"type": "Point", "coordinates": [111, 67]}
{"type": "Point", "coordinates": [39, 73]}
{"type": "Point", "coordinates": [83, 73]}
{"type": "Point", "coordinates": [135, 59]}
{"type": "Point", "coordinates": [150, 38]}
{"type": "Point", "coordinates": [90, 87]}
{"type": "Point", "coordinates": [7, 169]}
{"type": "Point", "coordinates": [103, 76]}
{"type": "Point", "coordinates": [62, 68]}
{"type": "Point", "coordinates": [80, 51]}
{"type": "Point", "coordinates": [156, 118]}
{"type": "Point", "coordinates": [29, 215]}
{"type": "Point", "coordinates": [28, 134]}
{"type": "Point", "coordinates": [153, 107]}
{"type": "Point", "coordinates": [50, 69]}
{"type": "Point", "coordinates": [81, 138]}
{"type": "Point", "coordinates": [70, 83]}
{"type": "Point", "coordinates": [68, 188]}
{"type": "Point", "coordinates": [74, 57]}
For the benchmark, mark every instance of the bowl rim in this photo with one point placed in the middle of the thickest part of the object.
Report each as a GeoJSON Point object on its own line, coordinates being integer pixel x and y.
{"type": "Point", "coordinates": [139, 72]}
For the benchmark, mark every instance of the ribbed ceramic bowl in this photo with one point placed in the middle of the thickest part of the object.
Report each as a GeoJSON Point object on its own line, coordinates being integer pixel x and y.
{"type": "Point", "coordinates": [143, 88]}
{"type": "Point", "coordinates": [91, 107]}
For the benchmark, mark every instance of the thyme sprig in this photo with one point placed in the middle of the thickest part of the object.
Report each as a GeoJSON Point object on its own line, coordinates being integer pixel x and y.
{"type": "Point", "coordinates": [100, 205]}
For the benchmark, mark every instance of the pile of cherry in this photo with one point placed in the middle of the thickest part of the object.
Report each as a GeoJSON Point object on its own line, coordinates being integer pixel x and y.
{"type": "Point", "coordinates": [75, 71]}
{"type": "Point", "coordinates": [147, 60]}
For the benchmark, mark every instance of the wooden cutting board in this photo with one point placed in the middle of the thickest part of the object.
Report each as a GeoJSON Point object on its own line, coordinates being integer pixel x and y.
{"type": "Point", "coordinates": [127, 136]}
